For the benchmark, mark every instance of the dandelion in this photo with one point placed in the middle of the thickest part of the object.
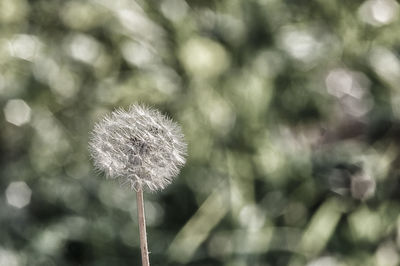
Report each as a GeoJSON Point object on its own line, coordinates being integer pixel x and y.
{"type": "Point", "coordinates": [141, 148]}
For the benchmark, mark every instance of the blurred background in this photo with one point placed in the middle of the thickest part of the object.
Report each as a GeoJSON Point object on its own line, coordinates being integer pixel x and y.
{"type": "Point", "coordinates": [291, 111]}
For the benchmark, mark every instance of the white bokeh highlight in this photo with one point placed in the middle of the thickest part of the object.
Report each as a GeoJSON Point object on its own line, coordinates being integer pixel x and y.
{"type": "Point", "coordinates": [8, 258]}
{"type": "Point", "coordinates": [18, 194]}
{"type": "Point", "coordinates": [387, 255]}
{"type": "Point", "coordinates": [324, 261]}
{"type": "Point", "coordinates": [174, 10]}
{"type": "Point", "coordinates": [300, 44]}
{"type": "Point", "coordinates": [84, 48]}
{"type": "Point", "coordinates": [17, 112]}
{"type": "Point", "coordinates": [386, 64]}
{"type": "Point", "coordinates": [378, 12]}
{"type": "Point", "coordinates": [351, 88]}
{"type": "Point", "coordinates": [24, 46]}
{"type": "Point", "coordinates": [341, 82]}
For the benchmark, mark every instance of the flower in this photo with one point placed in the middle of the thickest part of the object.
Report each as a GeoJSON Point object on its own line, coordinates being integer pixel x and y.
{"type": "Point", "coordinates": [141, 147]}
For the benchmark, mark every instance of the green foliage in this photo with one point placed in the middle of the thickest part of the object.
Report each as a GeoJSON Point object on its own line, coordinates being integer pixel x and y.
{"type": "Point", "coordinates": [290, 110]}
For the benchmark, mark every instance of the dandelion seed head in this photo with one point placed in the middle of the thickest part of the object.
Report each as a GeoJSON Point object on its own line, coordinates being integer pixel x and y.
{"type": "Point", "coordinates": [140, 147]}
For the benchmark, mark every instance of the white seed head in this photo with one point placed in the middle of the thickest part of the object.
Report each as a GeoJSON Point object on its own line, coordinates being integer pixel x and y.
{"type": "Point", "coordinates": [140, 147]}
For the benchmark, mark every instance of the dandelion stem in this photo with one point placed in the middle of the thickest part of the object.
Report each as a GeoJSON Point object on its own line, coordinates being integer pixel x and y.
{"type": "Point", "coordinates": [142, 228]}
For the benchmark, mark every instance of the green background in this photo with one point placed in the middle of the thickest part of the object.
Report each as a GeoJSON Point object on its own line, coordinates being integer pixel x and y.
{"type": "Point", "coordinates": [290, 110]}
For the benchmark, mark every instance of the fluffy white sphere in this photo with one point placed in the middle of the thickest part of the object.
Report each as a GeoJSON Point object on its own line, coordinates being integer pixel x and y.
{"type": "Point", "coordinates": [139, 146]}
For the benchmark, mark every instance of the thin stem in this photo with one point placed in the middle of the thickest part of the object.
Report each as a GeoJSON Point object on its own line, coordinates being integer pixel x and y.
{"type": "Point", "coordinates": [142, 228]}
